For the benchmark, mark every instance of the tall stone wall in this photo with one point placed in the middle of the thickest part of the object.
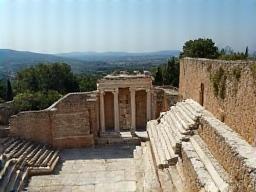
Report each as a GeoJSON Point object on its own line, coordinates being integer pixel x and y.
{"type": "Point", "coordinates": [226, 88]}
{"type": "Point", "coordinates": [70, 122]}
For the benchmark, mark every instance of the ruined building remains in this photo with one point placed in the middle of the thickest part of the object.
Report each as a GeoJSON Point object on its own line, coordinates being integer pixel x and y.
{"type": "Point", "coordinates": [122, 102]}
{"type": "Point", "coordinates": [201, 138]}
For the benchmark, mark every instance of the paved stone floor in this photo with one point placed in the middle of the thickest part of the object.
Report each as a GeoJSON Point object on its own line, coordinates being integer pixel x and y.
{"type": "Point", "coordinates": [106, 168]}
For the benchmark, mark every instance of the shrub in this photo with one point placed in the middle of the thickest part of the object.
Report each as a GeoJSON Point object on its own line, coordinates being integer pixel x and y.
{"type": "Point", "coordinates": [35, 100]}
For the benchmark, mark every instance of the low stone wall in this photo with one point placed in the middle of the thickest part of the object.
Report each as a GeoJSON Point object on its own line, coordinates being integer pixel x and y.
{"type": "Point", "coordinates": [225, 88]}
{"type": "Point", "coordinates": [34, 125]}
{"type": "Point", "coordinates": [235, 154]}
{"type": "Point", "coordinates": [6, 111]}
{"type": "Point", "coordinates": [163, 98]}
{"type": "Point", "coordinates": [70, 122]}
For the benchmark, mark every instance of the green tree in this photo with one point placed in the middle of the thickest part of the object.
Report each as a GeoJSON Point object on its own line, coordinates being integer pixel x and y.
{"type": "Point", "coordinates": [9, 93]}
{"type": "Point", "coordinates": [35, 100]}
{"type": "Point", "coordinates": [2, 91]}
{"type": "Point", "coordinates": [171, 72]}
{"type": "Point", "coordinates": [158, 76]}
{"type": "Point", "coordinates": [45, 77]}
{"type": "Point", "coordinates": [229, 54]}
{"type": "Point", "coordinates": [87, 82]}
{"type": "Point", "coordinates": [200, 48]}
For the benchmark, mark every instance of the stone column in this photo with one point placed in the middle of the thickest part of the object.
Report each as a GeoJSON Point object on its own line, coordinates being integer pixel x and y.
{"type": "Point", "coordinates": [148, 104]}
{"type": "Point", "coordinates": [133, 110]}
{"type": "Point", "coordinates": [116, 111]}
{"type": "Point", "coordinates": [102, 111]}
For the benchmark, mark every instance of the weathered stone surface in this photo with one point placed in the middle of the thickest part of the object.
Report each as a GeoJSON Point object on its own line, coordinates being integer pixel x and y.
{"type": "Point", "coordinates": [70, 122]}
{"type": "Point", "coordinates": [21, 159]}
{"type": "Point", "coordinates": [110, 168]}
{"type": "Point", "coordinates": [237, 105]}
{"type": "Point", "coordinates": [231, 150]}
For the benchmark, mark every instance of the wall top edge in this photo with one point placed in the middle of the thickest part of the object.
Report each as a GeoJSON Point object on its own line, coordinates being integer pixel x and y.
{"type": "Point", "coordinates": [219, 60]}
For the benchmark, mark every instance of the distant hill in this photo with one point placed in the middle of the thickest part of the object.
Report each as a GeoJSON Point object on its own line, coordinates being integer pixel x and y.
{"type": "Point", "coordinates": [12, 61]}
{"type": "Point", "coordinates": [117, 55]}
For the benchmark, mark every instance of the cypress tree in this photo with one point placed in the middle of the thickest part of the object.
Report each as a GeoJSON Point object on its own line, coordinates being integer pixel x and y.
{"type": "Point", "coordinates": [9, 93]}
{"type": "Point", "coordinates": [246, 52]}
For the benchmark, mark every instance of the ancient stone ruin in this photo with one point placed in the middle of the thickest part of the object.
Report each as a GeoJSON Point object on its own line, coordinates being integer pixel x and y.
{"type": "Point", "coordinates": [129, 135]}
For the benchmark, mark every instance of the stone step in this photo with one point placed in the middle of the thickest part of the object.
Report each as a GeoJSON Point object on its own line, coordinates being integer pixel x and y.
{"type": "Point", "coordinates": [194, 117]}
{"type": "Point", "coordinates": [19, 181]}
{"type": "Point", "coordinates": [13, 180]}
{"type": "Point", "coordinates": [184, 115]}
{"type": "Point", "coordinates": [150, 180]}
{"type": "Point", "coordinates": [25, 158]}
{"type": "Point", "coordinates": [235, 154]}
{"type": "Point", "coordinates": [194, 106]}
{"type": "Point", "coordinates": [5, 169]}
{"type": "Point", "coordinates": [15, 149]}
{"type": "Point", "coordinates": [12, 145]}
{"type": "Point", "coordinates": [21, 150]}
{"type": "Point", "coordinates": [7, 176]}
{"type": "Point", "coordinates": [161, 146]}
{"type": "Point", "coordinates": [159, 154]}
{"type": "Point", "coordinates": [25, 154]}
{"type": "Point", "coordinates": [41, 158]}
{"type": "Point", "coordinates": [190, 113]}
{"type": "Point", "coordinates": [46, 160]}
{"type": "Point", "coordinates": [173, 158]}
{"type": "Point", "coordinates": [32, 153]}
{"type": "Point", "coordinates": [176, 136]}
{"type": "Point", "coordinates": [177, 181]}
{"type": "Point", "coordinates": [22, 180]}
{"type": "Point", "coordinates": [54, 159]}
{"type": "Point", "coordinates": [39, 152]}
{"type": "Point", "coordinates": [216, 171]}
{"type": "Point", "coordinates": [181, 124]}
{"type": "Point", "coordinates": [165, 181]}
{"type": "Point", "coordinates": [175, 127]}
{"type": "Point", "coordinates": [174, 143]}
{"type": "Point", "coordinates": [197, 176]}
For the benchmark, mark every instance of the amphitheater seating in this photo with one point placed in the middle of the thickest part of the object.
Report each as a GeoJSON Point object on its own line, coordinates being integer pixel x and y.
{"type": "Point", "coordinates": [184, 149]}
{"type": "Point", "coordinates": [22, 158]}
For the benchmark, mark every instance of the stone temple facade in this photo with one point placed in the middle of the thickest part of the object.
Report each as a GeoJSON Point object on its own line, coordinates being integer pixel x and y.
{"type": "Point", "coordinates": [132, 136]}
{"type": "Point", "coordinates": [125, 102]}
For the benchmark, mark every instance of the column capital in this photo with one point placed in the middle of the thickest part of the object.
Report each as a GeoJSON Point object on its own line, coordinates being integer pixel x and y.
{"type": "Point", "coordinates": [132, 89]}
{"type": "Point", "coordinates": [115, 91]}
{"type": "Point", "coordinates": [102, 92]}
{"type": "Point", "coordinates": [148, 90]}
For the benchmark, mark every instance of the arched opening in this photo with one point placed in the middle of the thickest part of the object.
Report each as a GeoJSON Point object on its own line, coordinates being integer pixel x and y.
{"type": "Point", "coordinates": [201, 94]}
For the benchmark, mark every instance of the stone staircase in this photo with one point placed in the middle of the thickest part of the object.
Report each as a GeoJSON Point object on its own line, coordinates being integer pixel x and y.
{"type": "Point", "coordinates": [21, 159]}
{"type": "Point", "coordinates": [183, 142]}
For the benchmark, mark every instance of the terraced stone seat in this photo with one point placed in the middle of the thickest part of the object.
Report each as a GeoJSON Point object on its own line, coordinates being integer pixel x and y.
{"type": "Point", "coordinates": [197, 139]}
{"type": "Point", "coordinates": [172, 128]}
{"type": "Point", "coordinates": [24, 158]}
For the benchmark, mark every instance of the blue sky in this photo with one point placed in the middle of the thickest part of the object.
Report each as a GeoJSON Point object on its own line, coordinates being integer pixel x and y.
{"type": "Point", "coordinates": [54, 26]}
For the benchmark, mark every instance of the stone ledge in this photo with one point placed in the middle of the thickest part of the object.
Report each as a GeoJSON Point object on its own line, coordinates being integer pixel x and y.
{"type": "Point", "coordinates": [74, 141]}
{"type": "Point", "coordinates": [236, 155]}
